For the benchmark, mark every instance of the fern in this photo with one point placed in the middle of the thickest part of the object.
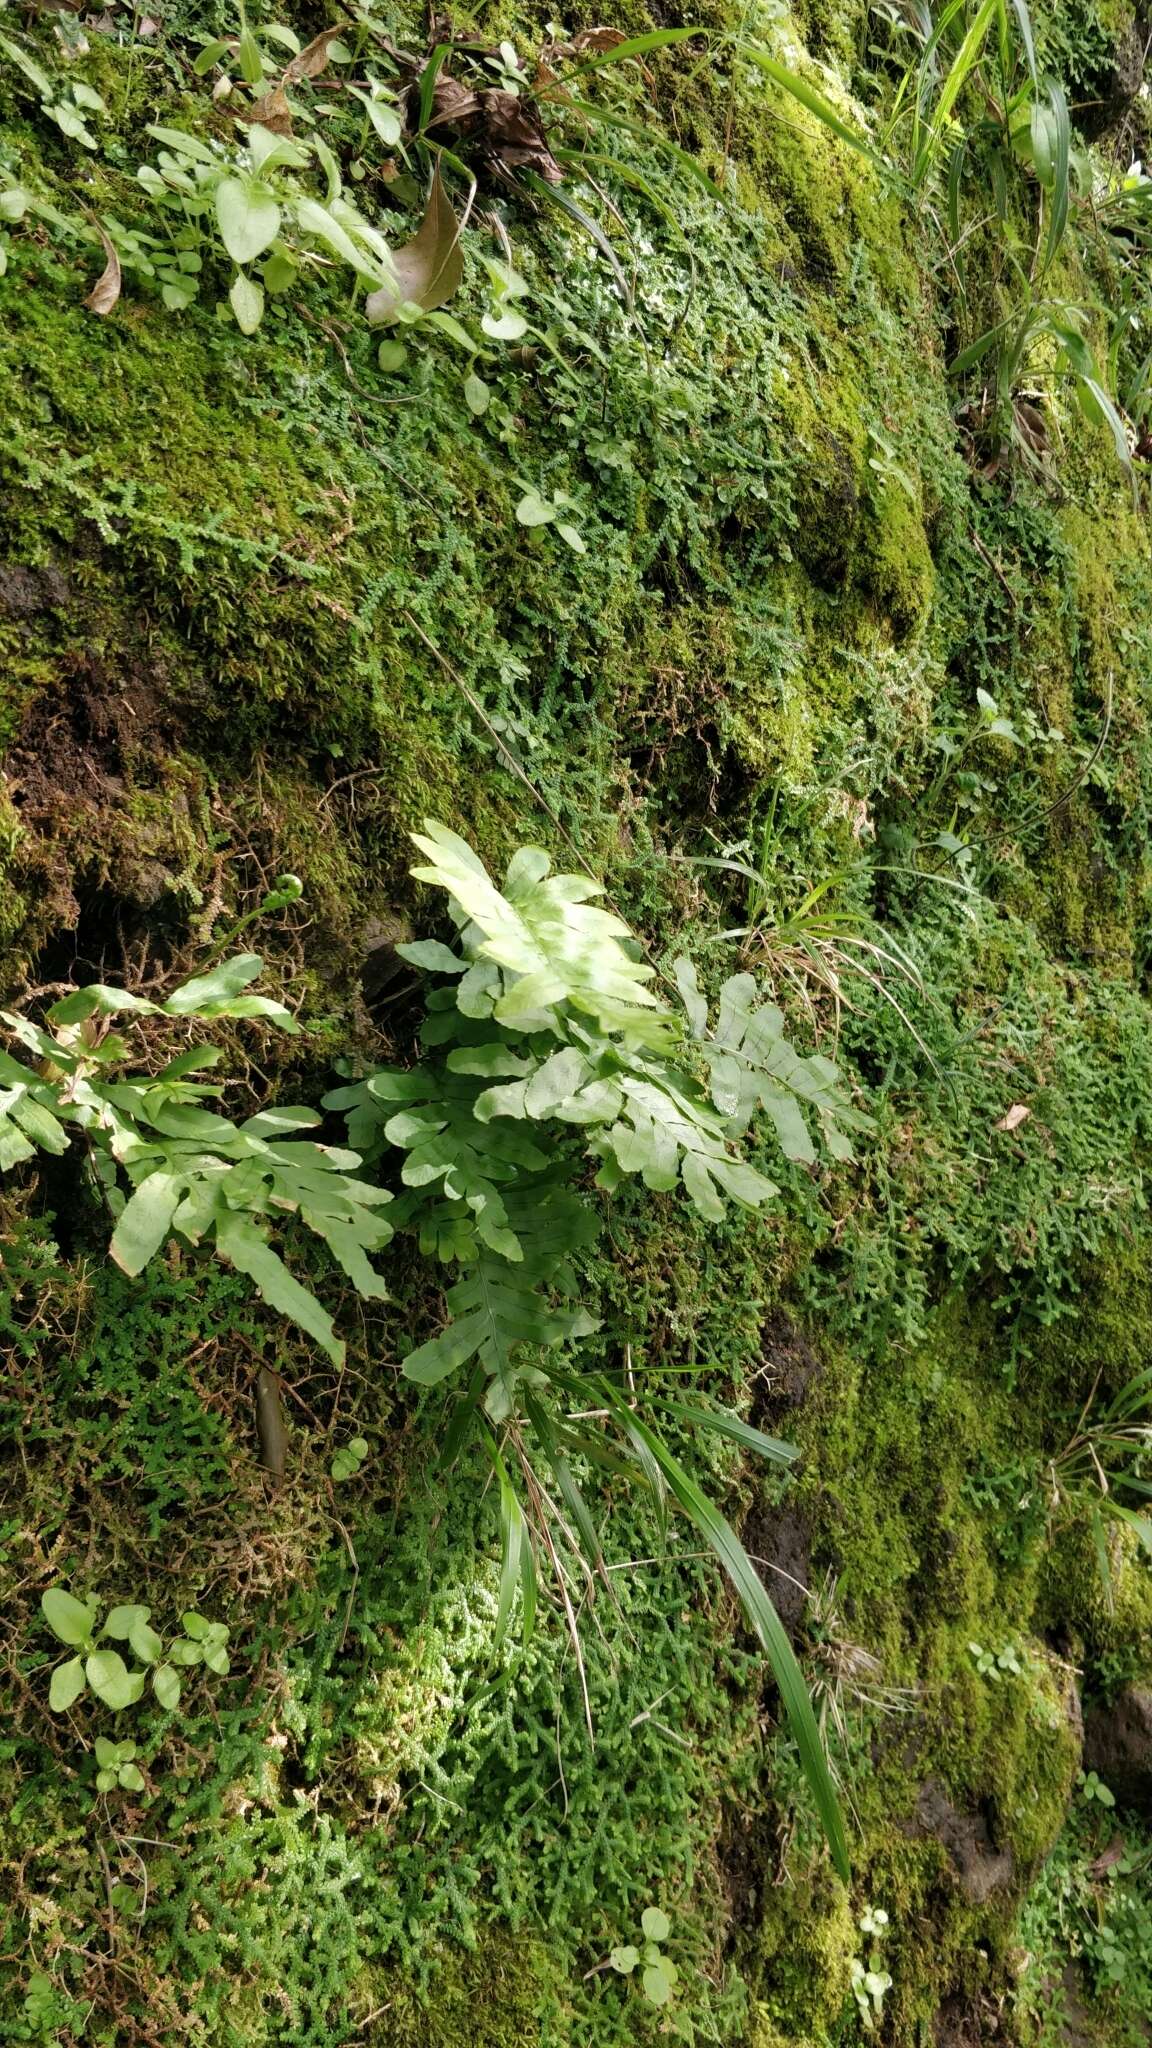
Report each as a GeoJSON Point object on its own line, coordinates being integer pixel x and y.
{"type": "Point", "coordinates": [545, 1048]}
{"type": "Point", "coordinates": [547, 1043]}
{"type": "Point", "coordinates": [191, 1172]}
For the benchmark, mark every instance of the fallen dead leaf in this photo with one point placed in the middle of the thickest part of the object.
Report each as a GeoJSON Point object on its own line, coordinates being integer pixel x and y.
{"type": "Point", "coordinates": [313, 58]}
{"type": "Point", "coordinates": [1115, 1853]}
{"type": "Point", "coordinates": [453, 105]}
{"type": "Point", "coordinates": [273, 111]}
{"type": "Point", "coordinates": [429, 267]}
{"type": "Point", "coordinates": [1013, 1118]}
{"type": "Point", "coordinates": [597, 40]}
{"type": "Point", "coordinates": [513, 135]}
{"type": "Point", "coordinates": [106, 290]}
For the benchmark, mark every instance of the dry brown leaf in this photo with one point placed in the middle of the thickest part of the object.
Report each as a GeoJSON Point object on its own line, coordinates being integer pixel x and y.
{"type": "Point", "coordinates": [1013, 1118]}
{"type": "Point", "coordinates": [597, 40]}
{"type": "Point", "coordinates": [513, 134]}
{"type": "Point", "coordinates": [313, 58]}
{"type": "Point", "coordinates": [1115, 1853]}
{"type": "Point", "coordinates": [106, 290]}
{"type": "Point", "coordinates": [429, 267]}
{"type": "Point", "coordinates": [273, 112]}
{"type": "Point", "coordinates": [453, 105]}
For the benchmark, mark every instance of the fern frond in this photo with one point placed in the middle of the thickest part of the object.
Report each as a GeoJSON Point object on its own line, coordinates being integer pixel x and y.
{"type": "Point", "coordinates": [554, 945]}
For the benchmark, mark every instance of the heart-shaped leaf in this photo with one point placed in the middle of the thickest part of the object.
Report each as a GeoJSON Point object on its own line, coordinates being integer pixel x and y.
{"type": "Point", "coordinates": [111, 1680]}
{"type": "Point", "coordinates": [248, 215]}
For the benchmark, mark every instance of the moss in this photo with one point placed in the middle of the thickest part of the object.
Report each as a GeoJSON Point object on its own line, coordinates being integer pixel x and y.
{"type": "Point", "coordinates": [500, 1997]}
{"type": "Point", "coordinates": [804, 1953]}
{"type": "Point", "coordinates": [793, 587]}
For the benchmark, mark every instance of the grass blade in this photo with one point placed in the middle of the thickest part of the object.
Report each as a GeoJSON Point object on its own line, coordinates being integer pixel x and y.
{"type": "Point", "coordinates": [722, 1423]}
{"type": "Point", "coordinates": [724, 1542]}
{"type": "Point", "coordinates": [636, 46]}
{"type": "Point", "coordinates": [814, 101]}
{"type": "Point", "coordinates": [679, 156]}
{"type": "Point", "coordinates": [963, 65]}
{"type": "Point", "coordinates": [559, 197]}
{"type": "Point", "coordinates": [513, 1536]}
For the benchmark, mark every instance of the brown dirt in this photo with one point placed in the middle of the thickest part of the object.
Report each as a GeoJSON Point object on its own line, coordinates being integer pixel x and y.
{"type": "Point", "coordinates": [83, 740]}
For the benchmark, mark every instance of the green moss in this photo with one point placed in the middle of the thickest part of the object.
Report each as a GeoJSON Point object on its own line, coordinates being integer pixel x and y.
{"type": "Point", "coordinates": [503, 1996]}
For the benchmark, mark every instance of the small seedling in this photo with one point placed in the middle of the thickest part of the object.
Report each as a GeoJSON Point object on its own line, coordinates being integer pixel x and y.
{"type": "Point", "coordinates": [1001, 1663]}
{"type": "Point", "coordinates": [1093, 1789]}
{"type": "Point", "coordinates": [869, 1981]}
{"type": "Point", "coordinates": [76, 1624]}
{"type": "Point", "coordinates": [868, 1989]}
{"type": "Point", "coordinates": [659, 1977]}
{"type": "Point", "coordinates": [117, 1768]}
{"type": "Point", "coordinates": [349, 1458]}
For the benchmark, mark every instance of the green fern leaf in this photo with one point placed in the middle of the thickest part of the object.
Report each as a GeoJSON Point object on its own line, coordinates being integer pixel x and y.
{"type": "Point", "coordinates": [554, 945]}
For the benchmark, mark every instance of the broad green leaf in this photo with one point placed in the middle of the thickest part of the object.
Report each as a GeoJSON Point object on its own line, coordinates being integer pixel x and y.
{"type": "Point", "coordinates": [533, 510]}
{"type": "Point", "coordinates": [488, 1060]}
{"type": "Point", "coordinates": [560, 1076]}
{"type": "Point", "coordinates": [145, 1642]}
{"type": "Point", "coordinates": [270, 152]}
{"type": "Point", "coordinates": [67, 1618]}
{"type": "Point", "coordinates": [429, 953]}
{"type": "Point", "coordinates": [695, 1006]}
{"type": "Point", "coordinates": [227, 979]}
{"type": "Point", "coordinates": [185, 145]}
{"type": "Point", "coordinates": [700, 1186]}
{"type": "Point", "coordinates": [145, 1221]}
{"type": "Point", "coordinates": [657, 1989]}
{"type": "Point", "coordinates": [249, 218]}
{"type": "Point", "coordinates": [130, 1778]}
{"type": "Point", "coordinates": [507, 325]}
{"type": "Point", "coordinates": [432, 1362]}
{"type": "Point", "coordinates": [182, 1651]}
{"type": "Point", "coordinates": [122, 1620]}
{"type": "Point", "coordinates": [111, 1680]}
{"type": "Point", "coordinates": [624, 1959]}
{"type": "Point", "coordinates": [107, 1753]}
{"type": "Point", "coordinates": [351, 1256]}
{"type": "Point", "coordinates": [39, 1124]}
{"type": "Point", "coordinates": [67, 1685]}
{"type": "Point", "coordinates": [317, 221]}
{"type": "Point", "coordinates": [206, 59]}
{"type": "Point", "coordinates": [384, 117]}
{"type": "Point", "coordinates": [655, 1924]}
{"type": "Point", "coordinates": [546, 931]}
{"type": "Point", "coordinates": [86, 1002]}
